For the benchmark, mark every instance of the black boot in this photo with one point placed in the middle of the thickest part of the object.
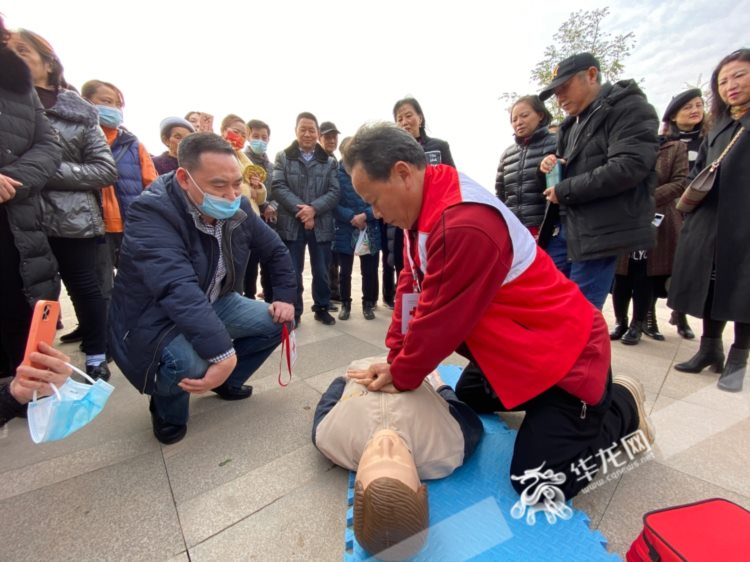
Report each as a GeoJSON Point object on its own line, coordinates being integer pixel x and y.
{"type": "Point", "coordinates": [346, 309]}
{"type": "Point", "coordinates": [621, 326]}
{"type": "Point", "coordinates": [650, 326]}
{"type": "Point", "coordinates": [734, 371]}
{"type": "Point", "coordinates": [633, 335]}
{"type": "Point", "coordinates": [683, 328]}
{"type": "Point", "coordinates": [711, 352]}
{"type": "Point", "coordinates": [367, 307]}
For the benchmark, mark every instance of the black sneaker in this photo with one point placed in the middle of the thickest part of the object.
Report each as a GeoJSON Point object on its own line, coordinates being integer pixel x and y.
{"type": "Point", "coordinates": [72, 337]}
{"type": "Point", "coordinates": [100, 371]}
{"type": "Point", "coordinates": [325, 317]}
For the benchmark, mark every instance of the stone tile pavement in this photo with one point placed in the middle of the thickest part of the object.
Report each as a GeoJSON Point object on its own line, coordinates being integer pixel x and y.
{"type": "Point", "coordinates": [247, 484]}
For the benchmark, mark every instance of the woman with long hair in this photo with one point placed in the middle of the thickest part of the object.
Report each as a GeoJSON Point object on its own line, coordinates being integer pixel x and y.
{"type": "Point", "coordinates": [71, 201]}
{"type": "Point", "coordinates": [712, 263]}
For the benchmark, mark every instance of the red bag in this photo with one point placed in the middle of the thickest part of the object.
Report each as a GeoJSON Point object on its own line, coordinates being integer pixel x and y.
{"type": "Point", "coordinates": [705, 531]}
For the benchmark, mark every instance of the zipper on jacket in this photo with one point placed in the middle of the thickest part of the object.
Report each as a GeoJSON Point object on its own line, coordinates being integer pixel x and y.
{"type": "Point", "coordinates": [583, 410]}
{"type": "Point", "coordinates": [153, 359]}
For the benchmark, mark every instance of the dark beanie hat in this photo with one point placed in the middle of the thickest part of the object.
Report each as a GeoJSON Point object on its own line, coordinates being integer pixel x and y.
{"type": "Point", "coordinates": [678, 101]}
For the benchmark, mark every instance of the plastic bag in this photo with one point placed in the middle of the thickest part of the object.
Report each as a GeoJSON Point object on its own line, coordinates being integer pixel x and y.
{"type": "Point", "coordinates": [362, 247]}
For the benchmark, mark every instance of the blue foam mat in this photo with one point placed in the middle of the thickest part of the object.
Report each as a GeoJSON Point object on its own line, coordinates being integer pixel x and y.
{"type": "Point", "coordinates": [470, 512]}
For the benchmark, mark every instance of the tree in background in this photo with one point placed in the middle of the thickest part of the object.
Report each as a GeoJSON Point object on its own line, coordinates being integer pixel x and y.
{"type": "Point", "coordinates": [582, 32]}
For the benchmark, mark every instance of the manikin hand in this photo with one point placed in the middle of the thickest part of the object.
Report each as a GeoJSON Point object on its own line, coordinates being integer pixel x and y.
{"type": "Point", "coordinates": [215, 376]}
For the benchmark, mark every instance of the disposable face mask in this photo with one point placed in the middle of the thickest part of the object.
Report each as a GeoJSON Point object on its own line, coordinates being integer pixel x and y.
{"type": "Point", "coordinates": [66, 411]}
{"type": "Point", "coordinates": [109, 116]}
{"type": "Point", "coordinates": [216, 207]}
{"type": "Point", "coordinates": [258, 146]}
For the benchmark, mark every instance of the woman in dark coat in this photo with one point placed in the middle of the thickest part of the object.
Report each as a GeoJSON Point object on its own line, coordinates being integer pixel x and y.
{"type": "Point", "coordinates": [712, 264]}
{"type": "Point", "coordinates": [30, 155]}
{"type": "Point", "coordinates": [518, 183]}
{"type": "Point", "coordinates": [408, 114]}
{"type": "Point", "coordinates": [71, 200]}
{"type": "Point", "coordinates": [685, 120]}
{"type": "Point", "coordinates": [642, 274]}
{"type": "Point", "coordinates": [352, 215]}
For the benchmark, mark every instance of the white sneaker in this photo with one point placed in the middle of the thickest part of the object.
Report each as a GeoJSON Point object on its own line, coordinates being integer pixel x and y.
{"type": "Point", "coordinates": [636, 390]}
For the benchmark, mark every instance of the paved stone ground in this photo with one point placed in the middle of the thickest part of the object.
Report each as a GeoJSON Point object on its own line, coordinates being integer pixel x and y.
{"type": "Point", "coordinates": [247, 484]}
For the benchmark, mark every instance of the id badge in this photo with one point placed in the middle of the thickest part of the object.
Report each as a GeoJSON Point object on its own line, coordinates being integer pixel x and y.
{"type": "Point", "coordinates": [408, 307]}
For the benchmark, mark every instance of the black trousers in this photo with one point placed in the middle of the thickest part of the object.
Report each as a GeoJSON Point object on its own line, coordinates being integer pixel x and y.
{"type": "Point", "coordinates": [15, 311]}
{"type": "Point", "coordinates": [333, 277]}
{"type": "Point", "coordinates": [368, 267]}
{"type": "Point", "coordinates": [636, 284]}
{"type": "Point", "coordinates": [77, 259]}
{"type": "Point", "coordinates": [557, 430]}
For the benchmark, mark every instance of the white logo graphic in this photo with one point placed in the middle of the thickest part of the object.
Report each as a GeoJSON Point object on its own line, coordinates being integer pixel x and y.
{"type": "Point", "coordinates": [541, 495]}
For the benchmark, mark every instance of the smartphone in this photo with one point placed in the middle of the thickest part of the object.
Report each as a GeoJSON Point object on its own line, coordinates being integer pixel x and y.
{"type": "Point", "coordinates": [43, 328]}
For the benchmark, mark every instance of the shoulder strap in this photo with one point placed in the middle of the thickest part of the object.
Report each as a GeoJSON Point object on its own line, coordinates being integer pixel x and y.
{"type": "Point", "coordinates": [727, 149]}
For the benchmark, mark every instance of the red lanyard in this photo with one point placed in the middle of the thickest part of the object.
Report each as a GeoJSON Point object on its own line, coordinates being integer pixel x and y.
{"type": "Point", "coordinates": [285, 347]}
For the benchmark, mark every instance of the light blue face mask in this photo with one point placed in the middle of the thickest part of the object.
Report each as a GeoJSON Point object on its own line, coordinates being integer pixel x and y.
{"type": "Point", "coordinates": [258, 146]}
{"type": "Point", "coordinates": [66, 411]}
{"type": "Point", "coordinates": [216, 207]}
{"type": "Point", "coordinates": [109, 116]}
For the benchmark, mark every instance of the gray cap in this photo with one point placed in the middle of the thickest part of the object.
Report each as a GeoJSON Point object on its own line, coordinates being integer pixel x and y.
{"type": "Point", "coordinates": [166, 125]}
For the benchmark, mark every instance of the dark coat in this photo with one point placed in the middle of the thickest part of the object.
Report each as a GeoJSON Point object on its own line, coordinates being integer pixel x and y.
{"type": "Point", "coordinates": [717, 233]}
{"type": "Point", "coordinates": [29, 153]}
{"type": "Point", "coordinates": [607, 194]}
{"type": "Point", "coordinates": [295, 183]}
{"type": "Point", "coordinates": [351, 204]}
{"type": "Point", "coordinates": [671, 171]}
{"type": "Point", "coordinates": [437, 151]}
{"type": "Point", "coordinates": [518, 183]}
{"type": "Point", "coordinates": [167, 265]}
{"type": "Point", "coordinates": [71, 202]}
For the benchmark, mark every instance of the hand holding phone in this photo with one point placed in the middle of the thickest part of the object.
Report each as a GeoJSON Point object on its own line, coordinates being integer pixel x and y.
{"type": "Point", "coordinates": [43, 328]}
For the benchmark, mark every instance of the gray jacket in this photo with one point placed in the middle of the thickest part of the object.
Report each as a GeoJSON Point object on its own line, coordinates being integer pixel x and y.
{"type": "Point", "coordinates": [71, 201]}
{"type": "Point", "coordinates": [296, 182]}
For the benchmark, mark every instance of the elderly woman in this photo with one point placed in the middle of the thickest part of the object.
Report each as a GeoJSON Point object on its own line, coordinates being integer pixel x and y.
{"type": "Point", "coordinates": [172, 130]}
{"type": "Point", "coordinates": [29, 157]}
{"type": "Point", "coordinates": [72, 200]}
{"type": "Point", "coordinates": [712, 263]}
{"type": "Point", "coordinates": [518, 183]}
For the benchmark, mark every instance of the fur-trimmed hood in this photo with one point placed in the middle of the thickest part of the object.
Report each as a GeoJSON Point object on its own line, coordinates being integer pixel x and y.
{"type": "Point", "coordinates": [15, 76]}
{"type": "Point", "coordinates": [293, 152]}
{"type": "Point", "coordinates": [72, 107]}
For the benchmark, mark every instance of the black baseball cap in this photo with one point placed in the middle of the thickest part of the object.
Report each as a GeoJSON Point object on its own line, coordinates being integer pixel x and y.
{"type": "Point", "coordinates": [328, 127]}
{"type": "Point", "coordinates": [565, 71]}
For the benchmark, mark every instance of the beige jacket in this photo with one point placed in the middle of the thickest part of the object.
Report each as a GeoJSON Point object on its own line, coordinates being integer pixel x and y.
{"type": "Point", "coordinates": [421, 417]}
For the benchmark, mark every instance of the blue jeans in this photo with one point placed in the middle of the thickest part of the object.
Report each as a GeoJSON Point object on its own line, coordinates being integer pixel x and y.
{"type": "Point", "coordinates": [593, 277]}
{"type": "Point", "coordinates": [254, 335]}
{"type": "Point", "coordinates": [320, 260]}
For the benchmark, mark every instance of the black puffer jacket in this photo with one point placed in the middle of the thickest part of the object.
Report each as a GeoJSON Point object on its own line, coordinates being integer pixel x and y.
{"type": "Point", "coordinates": [518, 183]}
{"type": "Point", "coordinates": [29, 153]}
{"type": "Point", "coordinates": [607, 194]}
{"type": "Point", "coordinates": [71, 202]}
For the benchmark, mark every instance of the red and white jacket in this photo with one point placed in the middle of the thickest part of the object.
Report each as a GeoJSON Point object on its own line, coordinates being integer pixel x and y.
{"type": "Point", "coordinates": [484, 282]}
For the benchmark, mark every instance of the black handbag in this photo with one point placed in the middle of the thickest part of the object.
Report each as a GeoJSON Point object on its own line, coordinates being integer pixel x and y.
{"type": "Point", "coordinates": [704, 181]}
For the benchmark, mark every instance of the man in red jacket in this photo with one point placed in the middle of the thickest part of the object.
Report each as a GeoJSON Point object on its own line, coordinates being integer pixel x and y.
{"type": "Point", "coordinates": [475, 282]}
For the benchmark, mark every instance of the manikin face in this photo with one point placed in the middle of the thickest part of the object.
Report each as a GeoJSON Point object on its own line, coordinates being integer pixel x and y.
{"type": "Point", "coordinates": [734, 83]}
{"type": "Point", "coordinates": [396, 200]}
{"type": "Point", "coordinates": [524, 120]}
{"type": "Point", "coordinates": [408, 119]}
{"type": "Point", "coordinates": [576, 94]}
{"type": "Point", "coordinates": [690, 115]}
{"type": "Point", "coordinates": [307, 134]}
{"type": "Point", "coordinates": [218, 174]}
{"type": "Point", "coordinates": [387, 456]}
{"type": "Point", "coordinates": [40, 69]}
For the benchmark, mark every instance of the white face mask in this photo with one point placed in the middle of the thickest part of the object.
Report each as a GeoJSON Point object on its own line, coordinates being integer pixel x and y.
{"type": "Point", "coordinates": [71, 407]}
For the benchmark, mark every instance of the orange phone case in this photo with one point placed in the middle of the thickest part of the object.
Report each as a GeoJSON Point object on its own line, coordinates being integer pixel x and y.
{"type": "Point", "coordinates": [43, 327]}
